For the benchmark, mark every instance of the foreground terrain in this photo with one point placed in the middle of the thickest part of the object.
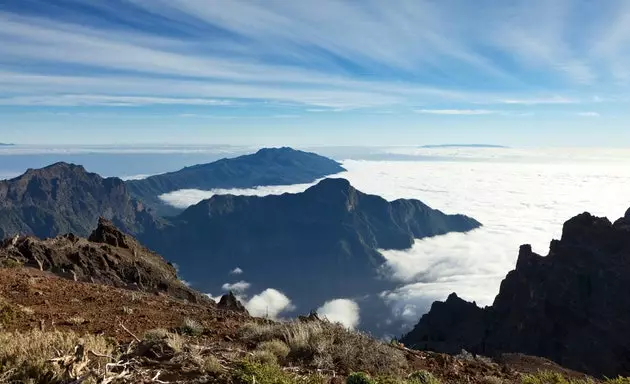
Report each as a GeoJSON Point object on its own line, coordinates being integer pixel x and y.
{"type": "Point", "coordinates": [107, 310]}
{"type": "Point", "coordinates": [57, 330]}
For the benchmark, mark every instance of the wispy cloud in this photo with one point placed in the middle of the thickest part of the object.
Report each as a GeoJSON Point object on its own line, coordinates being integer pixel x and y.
{"type": "Point", "coordinates": [335, 56]}
{"type": "Point", "coordinates": [457, 111]}
{"type": "Point", "coordinates": [589, 114]}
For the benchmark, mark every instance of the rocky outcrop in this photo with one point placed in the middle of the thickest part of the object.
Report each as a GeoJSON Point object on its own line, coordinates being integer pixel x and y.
{"type": "Point", "coordinates": [231, 303]}
{"type": "Point", "coordinates": [65, 198]}
{"type": "Point", "coordinates": [107, 257]}
{"type": "Point", "coordinates": [570, 306]}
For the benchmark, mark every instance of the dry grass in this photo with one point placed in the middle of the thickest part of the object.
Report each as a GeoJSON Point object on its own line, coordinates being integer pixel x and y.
{"type": "Point", "coordinates": [76, 320]}
{"type": "Point", "coordinates": [323, 345]}
{"type": "Point", "coordinates": [191, 327]}
{"type": "Point", "coordinates": [276, 347]}
{"type": "Point", "coordinates": [24, 357]}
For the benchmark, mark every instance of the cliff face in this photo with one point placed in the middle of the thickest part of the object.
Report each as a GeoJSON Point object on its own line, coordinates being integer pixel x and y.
{"type": "Point", "coordinates": [570, 306]}
{"type": "Point", "coordinates": [107, 257]}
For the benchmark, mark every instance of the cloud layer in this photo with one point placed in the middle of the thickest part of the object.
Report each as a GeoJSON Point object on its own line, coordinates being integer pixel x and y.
{"type": "Point", "coordinates": [521, 196]}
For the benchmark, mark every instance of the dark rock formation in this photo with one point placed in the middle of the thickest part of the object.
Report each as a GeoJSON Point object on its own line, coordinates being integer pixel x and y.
{"type": "Point", "coordinates": [231, 303]}
{"type": "Point", "coordinates": [570, 306]}
{"type": "Point", "coordinates": [268, 166]}
{"type": "Point", "coordinates": [312, 246]}
{"type": "Point", "coordinates": [65, 198]}
{"type": "Point", "coordinates": [108, 257]}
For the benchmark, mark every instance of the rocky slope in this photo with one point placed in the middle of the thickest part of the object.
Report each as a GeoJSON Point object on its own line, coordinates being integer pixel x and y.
{"type": "Point", "coordinates": [313, 246]}
{"type": "Point", "coordinates": [65, 198]}
{"type": "Point", "coordinates": [268, 166]}
{"type": "Point", "coordinates": [107, 257]}
{"type": "Point", "coordinates": [569, 306]}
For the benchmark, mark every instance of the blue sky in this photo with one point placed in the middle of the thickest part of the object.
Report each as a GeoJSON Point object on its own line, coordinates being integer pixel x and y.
{"type": "Point", "coordinates": [371, 72]}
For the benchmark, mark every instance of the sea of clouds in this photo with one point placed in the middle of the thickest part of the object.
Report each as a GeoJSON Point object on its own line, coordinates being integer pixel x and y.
{"type": "Point", "coordinates": [520, 196]}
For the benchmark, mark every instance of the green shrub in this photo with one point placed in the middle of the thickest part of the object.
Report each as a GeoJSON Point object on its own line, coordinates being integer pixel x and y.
{"type": "Point", "coordinates": [252, 372]}
{"type": "Point", "coordinates": [359, 378]}
{"type": "Point", "coordinates": [423, 377]}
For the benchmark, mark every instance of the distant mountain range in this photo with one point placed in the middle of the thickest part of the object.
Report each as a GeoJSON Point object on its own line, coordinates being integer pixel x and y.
{"type": "Point", "coordinates": [268, 166]}
{"type": "Point", "coordinates": [570, 306]}
{"type": "Point", "coordinates": [6, 145]}
{"type": "Point", "coordinates": [314, 246]}
{"type": "Point", "coordinates": [464, 146]}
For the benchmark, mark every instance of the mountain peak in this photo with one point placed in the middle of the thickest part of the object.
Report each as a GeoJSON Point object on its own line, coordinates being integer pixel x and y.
{"type": "Point", "coordinates": [276, 150]}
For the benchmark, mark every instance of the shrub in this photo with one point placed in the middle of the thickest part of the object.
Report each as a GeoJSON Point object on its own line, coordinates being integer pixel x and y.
{"type": "Point", "coordinates": [323, 345]}
{"type": "Point", "coordinates": [359, 378]}
{"type": "Point", "coordinates": [265, 357]}
{"type": "Point", "coordinates": [423, 377]}
{"type": "Point", "coordinates": [76, 320]}
{"type": "Point", "coordinates": [191, 327]}
{"type": "Point", "coordinates": [549, 377]}
{"type": "Point", "coordinates": [491, 380]}
{"type": "Point", "coordinates": [24, 357]}
{"type": "Point", "coordinates": [276, 347]}
{"type": "Point", "coordinates": [210, 364]}
{"type": "Point", "coordinates": [618, 380]}
{"type": "Point", "coordinates": [251, 372]}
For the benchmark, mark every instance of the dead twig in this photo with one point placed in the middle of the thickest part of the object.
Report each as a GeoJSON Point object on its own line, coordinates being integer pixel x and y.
{"type": "Point", "coordinates": [130, 333]}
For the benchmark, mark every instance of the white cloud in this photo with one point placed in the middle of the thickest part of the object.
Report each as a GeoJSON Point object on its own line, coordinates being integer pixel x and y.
{"type": "Point", "coordinates": [135, 177]}
{"type": "Point", "coordinates": [457, 111]}
{"type": "Point", "coordinates": [236, 271]}
{"type": "Point", "coordinates": [342, 311]}
{"type": "Point", "coordinates": [239, 287]}
{"type": "Point", "coordinates": [589, 114]}
{"type": "Point", "coordinates": [269, 303]}
{"type": "Point", "coordinates": [184, 198]}
{"type": "Point", "coordinates": [521, 197]}
{"type": "Point", "coordinates": [214, 298]}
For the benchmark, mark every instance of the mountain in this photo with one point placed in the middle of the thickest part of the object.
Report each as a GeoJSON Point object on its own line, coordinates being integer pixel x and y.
{"type": "Point", "coordinates": [6, 145]}
{"type": "Point", "coordinates": [107, 257]}
{"type": "Point", "coordinates": [570, 306]}
{"type": "Point", "coordinates": [313, 246]}
{"type": "Point", "coordinates": [64, 198]}
{"type": "Point", "coordinates": [268, 166]}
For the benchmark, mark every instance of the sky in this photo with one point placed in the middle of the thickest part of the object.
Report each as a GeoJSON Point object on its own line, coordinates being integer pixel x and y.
{"type": "Point", "coordinates": [277, 72]}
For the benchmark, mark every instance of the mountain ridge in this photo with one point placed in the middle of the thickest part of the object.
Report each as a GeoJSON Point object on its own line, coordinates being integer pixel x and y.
{"type": "Point", "coordinates": [331, 230]}
{"type": "Point", "coordinates": [268, 166]}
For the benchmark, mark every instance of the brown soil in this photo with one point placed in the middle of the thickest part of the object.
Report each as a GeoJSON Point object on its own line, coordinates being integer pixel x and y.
{"type": "Point", "coordinates": [45, 300]}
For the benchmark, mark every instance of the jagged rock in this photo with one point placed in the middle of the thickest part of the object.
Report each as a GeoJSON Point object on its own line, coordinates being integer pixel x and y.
{"type": "Point", "coordinates": [231, 303]}
{"type": "Point", "coordinates": [312, 316]}
{"type": "Point", "coordinates": [570, 306]}
{"type": "Point", "coordinates": [108, 257]}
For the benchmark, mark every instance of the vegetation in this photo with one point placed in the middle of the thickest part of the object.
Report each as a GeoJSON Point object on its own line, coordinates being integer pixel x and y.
{"type": "Point", "coordinates": [547, 377]}
{"type": "Point", "coordinates": [328, 346]}
{"type": "Point", "coordinates": [26, 357]}
{"type": "Point", "coordinates": [423, 377]}
{"type": "Point", "coordinates": [191, 327]}
{"type": "Point", "coordinates": [359, 378]}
